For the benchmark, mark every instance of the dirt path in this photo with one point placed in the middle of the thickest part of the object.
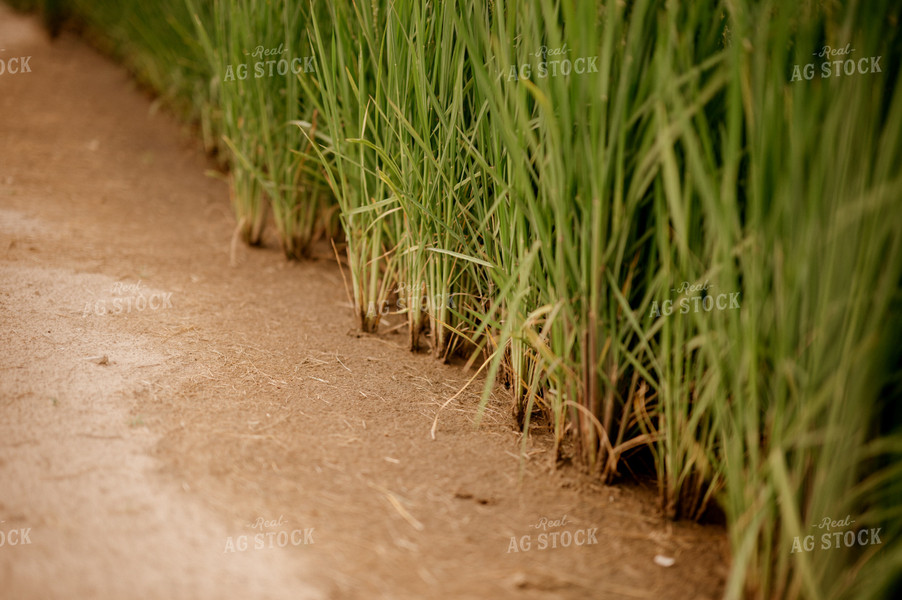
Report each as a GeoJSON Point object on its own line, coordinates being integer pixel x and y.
{"type": "Point", "coordinates": [159, 406]}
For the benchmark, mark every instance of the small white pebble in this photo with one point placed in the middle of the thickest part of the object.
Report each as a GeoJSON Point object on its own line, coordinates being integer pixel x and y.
{"type": "Point", "coordinates": [664, 561]}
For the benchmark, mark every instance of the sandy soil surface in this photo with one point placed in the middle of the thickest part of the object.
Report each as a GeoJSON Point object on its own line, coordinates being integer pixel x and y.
{"type": "Point", "coordinates": [176, 426]}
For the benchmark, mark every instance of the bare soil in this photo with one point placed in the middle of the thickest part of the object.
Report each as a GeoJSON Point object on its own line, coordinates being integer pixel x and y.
{"type": "Point", "coordinates": [141, 439]}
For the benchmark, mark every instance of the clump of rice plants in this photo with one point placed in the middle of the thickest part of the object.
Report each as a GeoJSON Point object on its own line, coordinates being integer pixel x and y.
{"type": "Point", "coordinates": [782, 194]}
{"type": "Point", "coordinates": [427, 84]}
{"type": "Point", "coordinates": [348, 40]}
{"type": "Point", "coordinates": [566, 206]}
{"type": "Point", "coordinates": [259, 53]}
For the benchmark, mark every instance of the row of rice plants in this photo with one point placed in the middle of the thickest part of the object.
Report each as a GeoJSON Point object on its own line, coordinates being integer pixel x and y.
{"type": "Point", "coordinates": [597, 209]}
{"type": "Point", "coordinates": [537, 212]}
{"type": "Point", "coordinates": [583, 214]}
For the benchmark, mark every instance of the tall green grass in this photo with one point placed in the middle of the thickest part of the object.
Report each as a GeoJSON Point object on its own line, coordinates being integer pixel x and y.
{"type": "Point", "coordinates": [428, 82]}
{"type": "Point", "coordinates": [350, 53]}
{"type": "Point", "coordinates": [258, 52]}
